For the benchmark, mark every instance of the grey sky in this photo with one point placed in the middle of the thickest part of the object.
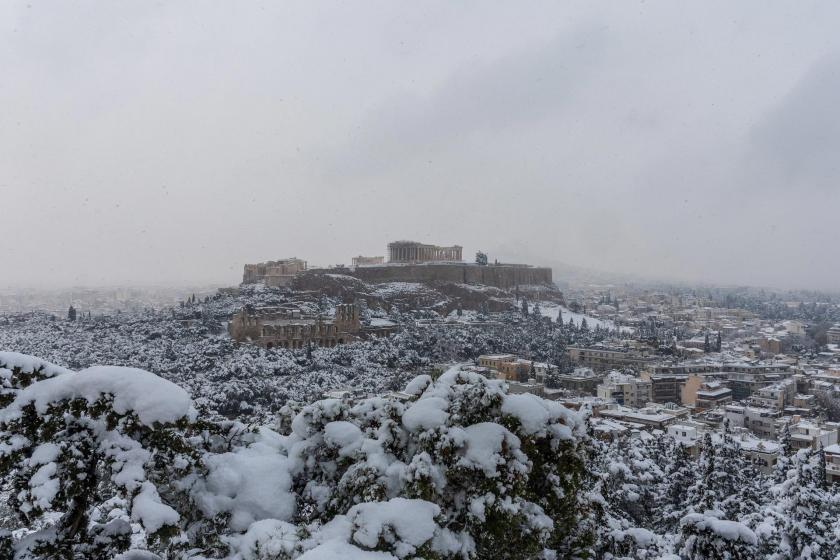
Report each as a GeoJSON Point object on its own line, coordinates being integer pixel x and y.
{"type": "Point", "coordinates": [154, 143]}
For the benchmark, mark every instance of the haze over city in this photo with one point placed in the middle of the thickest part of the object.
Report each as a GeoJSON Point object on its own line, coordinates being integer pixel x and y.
{"type": "Point", "coordinates": [147, 143]}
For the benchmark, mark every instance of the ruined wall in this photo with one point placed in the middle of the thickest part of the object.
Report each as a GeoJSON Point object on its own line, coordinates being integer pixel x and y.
{"type": "Point", "coordinates": [500, 276]}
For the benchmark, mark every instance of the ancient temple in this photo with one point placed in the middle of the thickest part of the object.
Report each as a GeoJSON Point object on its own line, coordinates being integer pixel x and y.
{"type": "Point", "coordinates": [413, 252]}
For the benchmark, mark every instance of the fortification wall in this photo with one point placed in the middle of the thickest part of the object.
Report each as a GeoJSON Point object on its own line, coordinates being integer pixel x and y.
{"type": "Point", "coordinates": [500, 276]}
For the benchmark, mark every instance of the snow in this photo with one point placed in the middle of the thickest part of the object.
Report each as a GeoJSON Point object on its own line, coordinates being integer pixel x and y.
{"type": "Point", "coordinates": [150, 511]}
{"type": "Point", "coordinates": [12, 360]}
{"type": "Point", "coordinates": [427, 413]}
{"type": "Point", "coordinates": [532, 414]}
{"type": "Point", "coordinates": [483, 446]}
{"type": "Point", "coordinates": [333, 550]}
{"type": "Point", "coordinates": [44, 487]}
{"type": "Point", "coordinates": [44, 453]}
{"type": "Point", "coordinates": [272, 537]}
{"type": "Point", "coordinates": [152, 398]}
{"type": "Point", "coordinates": [345, 435]}
{"type": "Point", "coordinates": [535, 414]}
{"type": "Point", "coordinates": [251, 483]}
{"type": "Point", "coordinates": [396, 288]}
{"type": "Point", "coordinates": [643, 537]}
{"type": "Point", "coordinates": [137, 554]}
{"type": "Point", "coordinates": [418, 385]}
{"type": "Point", "coordinates": [551, 310]}
{"type": "Point", "coordinates": [306, 421]}
{"type": "Point", "coordinates": [411, 521]}
{"type": "Point", "coordinates": [729, 530]}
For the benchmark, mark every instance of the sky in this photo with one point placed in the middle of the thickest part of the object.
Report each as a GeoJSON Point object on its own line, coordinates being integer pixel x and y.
{"type": "Point", "coordinates": [169, 143]}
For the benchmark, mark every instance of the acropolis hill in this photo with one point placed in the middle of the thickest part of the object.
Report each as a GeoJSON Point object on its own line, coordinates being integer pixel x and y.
{"type": "Point", "coordinates": [408, 261]}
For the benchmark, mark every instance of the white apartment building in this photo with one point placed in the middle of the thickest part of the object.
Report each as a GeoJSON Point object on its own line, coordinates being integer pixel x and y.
{"type": "Point", "coordinates": [763, 422]}
{"type": "Point", "coordinates": [776, 396]}
{"type": "Point", "coordinates": [626, 390]}
{"type": "Point", "coordinates": [809, 435]}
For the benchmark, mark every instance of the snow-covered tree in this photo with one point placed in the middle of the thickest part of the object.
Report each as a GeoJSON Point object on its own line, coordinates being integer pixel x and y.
{"type": "Point", "coordinates": [803, 518]}
{"type": "Point", "coordinates": [704, 537]}
{"type": "Point", "coordinates": [95, 450]}
{"type": "Point", "coordinates": [108, 457]}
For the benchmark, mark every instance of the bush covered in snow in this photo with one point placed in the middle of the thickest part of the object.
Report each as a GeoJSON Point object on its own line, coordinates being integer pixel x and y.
{"type": "Point", "coordinates": [108, 458]}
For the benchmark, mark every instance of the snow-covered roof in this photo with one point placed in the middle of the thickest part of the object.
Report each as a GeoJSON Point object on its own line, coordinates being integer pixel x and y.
{"type": "Point", "coordinates": [714, 393]}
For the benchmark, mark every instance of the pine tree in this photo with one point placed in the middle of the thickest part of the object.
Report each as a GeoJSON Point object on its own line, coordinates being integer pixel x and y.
{"type": "Point", "coordinates": [678, 480]}
{"type": "Point", "coordinates": [807, 513]}
{"type": "Point", "coordinates": [785, 441]}
{"type": "Point", "coordinates": [702, 495]}
{"type": "Point", "coordinates": [820, 474]}
{"type": "Point", "coordinates": [71, 314]}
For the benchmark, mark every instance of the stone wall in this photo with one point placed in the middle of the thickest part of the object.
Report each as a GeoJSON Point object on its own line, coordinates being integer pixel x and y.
{"type": "Point", "coordinates": [500, 276]}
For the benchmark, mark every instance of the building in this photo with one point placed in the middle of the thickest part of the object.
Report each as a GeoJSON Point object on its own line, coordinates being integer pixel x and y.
{"type": "Point", "coordinates": [763, 422]}
{"type": "Point", "coordinates": [804, 402]}
{"type": "Point", "coordinates": [414, 252]}
{"type": "Point", "coordinates": [796, 328]}
{"type": "Point", "coordinates": [494, 361]}
{"type": "Point", "coordinates": [625, 390]}
{"type": "Point", "coordinates": [696, 382]}
{"type": "Point", "coordinates": [608, 357]}
{"type": "Point", "coordinates": [286, 327]}
{"type": "Point", "coordinates": [367, 261]}
{"type": "Point", "coordinates": [770, 345]}
{"type": "Point", "coordinates": [273, 273]}
{"type": "Point", "coordinates": [665, 387]}
{"type": "Point", "coordinates": [743, 378]}
{"type": "Point", "coordinates": [712, 395]}
{"type": "Point", "coordinates": [832, 463]}
{"type": "Point", "coordinates": [686, 435]}
{"type": "Point", "coordinates": [500, 275]}
{"type": "Point", "coordinates": [509, 366]}
{"type": "Point", "coordinates": [833, 335]}
{"type": "Point", "coordinates": [776, 396]}
{"type": "Point", "coordinates": [763, 453]}
{"type": "Point", "coordinates": [581, 380]}
{"type": "Point", "coordinates": [648, 418]}
{"type": "Point", "coordinates": [808, 435]}
{"type": "Point", "coordinates": [517, 387]}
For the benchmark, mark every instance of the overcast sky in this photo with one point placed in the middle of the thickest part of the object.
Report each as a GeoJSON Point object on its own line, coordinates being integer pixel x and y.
{"type": "Point", "coordinates": [172, 142]}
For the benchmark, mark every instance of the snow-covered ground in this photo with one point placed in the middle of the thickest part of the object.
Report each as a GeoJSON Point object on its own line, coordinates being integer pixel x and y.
{"type": "Point", "coordinates": [550, 309]}
{"type": "Point", "coordinates": [395, 288]}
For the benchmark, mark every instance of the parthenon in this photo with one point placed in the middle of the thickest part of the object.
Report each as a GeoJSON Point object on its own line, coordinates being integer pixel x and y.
{"type": "Point", "coordinates": [413, 252]}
